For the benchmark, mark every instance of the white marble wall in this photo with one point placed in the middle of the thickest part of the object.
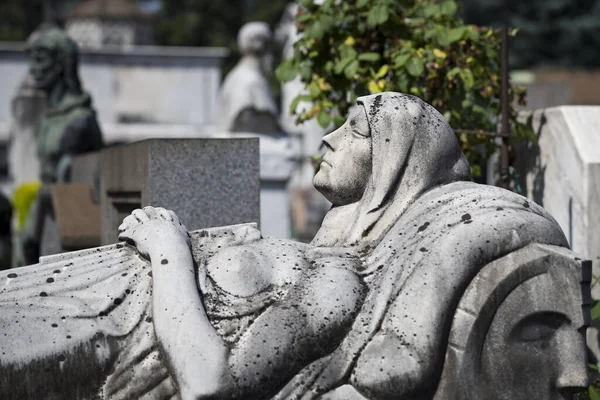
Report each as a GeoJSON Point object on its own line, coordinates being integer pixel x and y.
{"type": "Point", "coordinates": [563, 175]}
{"type": "Point", "coordinates": [168, 85]}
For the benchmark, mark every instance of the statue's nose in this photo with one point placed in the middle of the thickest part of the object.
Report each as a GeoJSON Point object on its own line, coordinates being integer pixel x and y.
{"type": "Point", "coordinates": [573, 377]}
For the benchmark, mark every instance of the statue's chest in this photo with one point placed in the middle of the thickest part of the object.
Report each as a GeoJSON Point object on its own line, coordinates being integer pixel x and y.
{"type": "Point", "coordinates": [50, 137]}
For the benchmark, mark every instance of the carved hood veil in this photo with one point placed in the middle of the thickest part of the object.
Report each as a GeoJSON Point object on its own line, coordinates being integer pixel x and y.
{"type": "Point", "coordinates": [426, 233]}
{"type": "Point", "coordinates": [414, 150]}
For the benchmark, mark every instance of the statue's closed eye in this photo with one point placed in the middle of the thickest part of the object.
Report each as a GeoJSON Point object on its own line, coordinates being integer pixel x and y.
{"type": "Point", "coordinates": [538, 327]}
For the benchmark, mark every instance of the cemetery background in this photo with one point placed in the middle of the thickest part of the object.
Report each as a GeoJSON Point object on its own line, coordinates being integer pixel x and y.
{"type": "Point", "coordinates": [558, 73]}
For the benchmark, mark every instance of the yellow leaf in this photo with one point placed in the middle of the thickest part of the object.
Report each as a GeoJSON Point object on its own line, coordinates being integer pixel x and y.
{"type": "Point", "coordinates": [23, 197]}
{"type": "Point", "coordinates": [382, 71]}
{"type": "Point", "coordinates": [349, 41]}
{"type": "Point", "coordinates": [469, 60]}
{"type": "Point", "coordinates": [439, 54]}
{"type": "Point", "coordinates": [314, 111]}
{"type": "Point", "coordinates": [324, 86]}
{"type": "Point", "coordinates": [381, 84]}
{"type": "Point", "coordinates": [374, 87]}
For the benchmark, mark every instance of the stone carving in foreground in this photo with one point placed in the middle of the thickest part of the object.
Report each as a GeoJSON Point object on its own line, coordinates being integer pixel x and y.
{"type": "Point", "coordinates": [420, 284]}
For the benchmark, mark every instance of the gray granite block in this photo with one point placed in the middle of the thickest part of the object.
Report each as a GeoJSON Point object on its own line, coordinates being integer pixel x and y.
{"type": "Point", "coordinates": [207, 182]}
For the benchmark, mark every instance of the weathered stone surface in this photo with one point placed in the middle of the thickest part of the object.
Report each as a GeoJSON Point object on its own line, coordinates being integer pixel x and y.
{"type": "Point", "coordinates": [510, 305]}
{"type": "Point", "coordinates": [412, 265]}
{"type": "Point", "coordinates": [208, 182]}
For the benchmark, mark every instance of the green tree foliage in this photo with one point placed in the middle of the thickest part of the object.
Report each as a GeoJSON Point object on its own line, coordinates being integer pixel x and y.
{"type": "Point", "coordinates": [209, 22]}
{"type": "Point", "coordinates": [19, 18]}
{"type": "Point", "coordinates": [356, 47]}
{"type": "Point", "coordinates": [213, 23]}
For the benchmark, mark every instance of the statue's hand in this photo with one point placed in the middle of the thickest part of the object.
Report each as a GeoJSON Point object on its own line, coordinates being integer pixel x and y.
{"type": "Point", "coordinates": [153, 229]}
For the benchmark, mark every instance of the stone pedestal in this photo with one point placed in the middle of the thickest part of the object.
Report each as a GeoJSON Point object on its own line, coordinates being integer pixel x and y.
{"type": "Point", "coordinates": [207, 182]}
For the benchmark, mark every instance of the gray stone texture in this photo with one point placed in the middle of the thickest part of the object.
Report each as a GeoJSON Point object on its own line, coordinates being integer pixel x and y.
{"type": "Point", "coordinates": [420, 285]}
{"type": "Point", "coordinates": [207, 182]}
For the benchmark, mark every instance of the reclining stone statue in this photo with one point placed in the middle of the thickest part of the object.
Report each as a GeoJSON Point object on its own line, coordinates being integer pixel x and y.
{"type": "Point", "coordinates": [419, 285]}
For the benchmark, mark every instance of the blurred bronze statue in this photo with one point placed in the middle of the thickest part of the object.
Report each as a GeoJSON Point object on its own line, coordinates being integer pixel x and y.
{"type": "Point", "coordinates": [68, 126]}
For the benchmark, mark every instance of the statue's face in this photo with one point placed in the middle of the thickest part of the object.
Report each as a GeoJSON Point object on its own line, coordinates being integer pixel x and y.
{"type": "Point", "coordinates": [535, 348]}
{"type": "Point", "coordinates": [347, 164]}
{"type": "Point", "coordinates": [266, 63]}
{"type": "Point", "coordinates": [44, 67]}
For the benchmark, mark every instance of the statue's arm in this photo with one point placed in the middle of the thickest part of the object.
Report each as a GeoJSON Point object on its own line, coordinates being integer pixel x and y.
{"type": "Point", "coordinates": [305, 325]}
{"type": "Point", "coordinates": [194, 352]}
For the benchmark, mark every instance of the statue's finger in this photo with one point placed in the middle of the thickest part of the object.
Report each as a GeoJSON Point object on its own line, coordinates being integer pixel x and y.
{"type": "Point", "coordinates": [174, 217]}
{"type": "Point", "coordinates": [164, 213]}
{"type": "Point", "coordinates": [151, 212]}
{"type": "Point", "coordinates": [128, 222]}
{"type": "Point", "coordinates": [141, 215]}
{"type": "Point", "coordinates": [125, 235]}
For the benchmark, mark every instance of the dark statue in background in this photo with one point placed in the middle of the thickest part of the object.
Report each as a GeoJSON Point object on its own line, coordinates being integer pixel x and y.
{"type": "Point", "coordinates": [68, 127]}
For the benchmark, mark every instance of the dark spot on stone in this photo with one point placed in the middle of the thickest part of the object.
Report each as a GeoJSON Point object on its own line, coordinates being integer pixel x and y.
{"type": "Point", "coordinates": [68, 336]}
{"type": "Point", "coordinates": [117, 301]}
{"type": "Point", "coordinates": [150, 273]}
{"type": "Point", "coordinates": [101, 314]}
{"type": "Point", "coordinates": [423, 250]}
{"type": "Point", "coordinates": [466, 217]}
{"type": "Point", "coordinates": [526, 204]}
{"type": "Point", "coordinates": [50, 280]}
{"type": "Point", "coordinates": [44, 294]}
{"type": "Point", "coordinates": [499, 209]}
{"type": "Point", "coordinates": [55, 325]}
{"type": "Point", "coordinates": [148, 319]}
{"type": "Point", "coordinates": [469, 221]}
{"type": "Point", "coordinates": [124, 274]}
{"type": "Point", "coordinates": [423, 227]}
{"type": "Point", "coordinates": [352, 122]}
{"type": "Point", "coordinates": [56, 271]}
{"type": "Point", "coordinates": [164, 261]}
{"type": "Point", "coordinates": [12, 275]}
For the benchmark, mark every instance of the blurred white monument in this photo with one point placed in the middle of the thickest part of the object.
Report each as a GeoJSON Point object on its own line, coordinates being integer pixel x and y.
{"type": "Point", "coordinates": [246, 107]}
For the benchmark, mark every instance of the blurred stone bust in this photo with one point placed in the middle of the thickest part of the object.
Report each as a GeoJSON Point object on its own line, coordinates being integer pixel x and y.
{"type": "Point", "coordinates": [246, 102]}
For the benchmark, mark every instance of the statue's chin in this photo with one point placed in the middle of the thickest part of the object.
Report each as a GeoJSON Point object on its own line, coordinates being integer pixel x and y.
{"type": "Point", "coordinates": [335, 194]}
{"type": "Point", "coordinates": [43, 84]}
